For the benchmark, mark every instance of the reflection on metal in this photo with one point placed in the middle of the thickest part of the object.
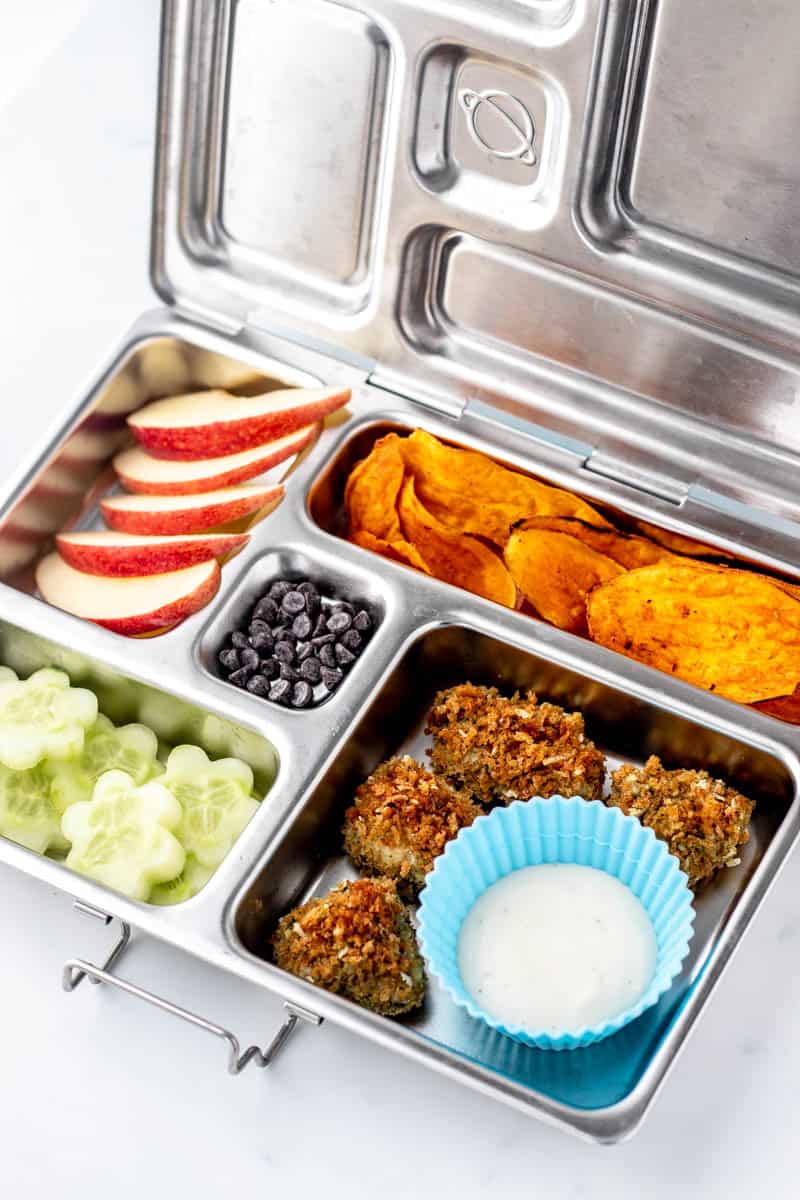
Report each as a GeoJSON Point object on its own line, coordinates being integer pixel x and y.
{"type": "Point", "coordinates": [500, 124]}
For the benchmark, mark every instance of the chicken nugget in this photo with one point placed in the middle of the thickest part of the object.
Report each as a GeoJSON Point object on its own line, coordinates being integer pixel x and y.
{"type": "Point", "coordinates": [401, 821]}
{"type": "Point", "coordinates": [500, 749]}
{"type": "Point", "coordinates": [358, 942]}
{"type": "Point", "coordinates": [702, 820]}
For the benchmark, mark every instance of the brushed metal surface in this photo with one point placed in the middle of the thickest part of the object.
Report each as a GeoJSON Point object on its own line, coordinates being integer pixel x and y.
{"type": "Point", "coordinates": [427, 631]}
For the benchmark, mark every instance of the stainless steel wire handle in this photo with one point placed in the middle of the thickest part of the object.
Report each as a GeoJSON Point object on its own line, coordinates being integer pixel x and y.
{"type": "Point", "coordinates": [77, 969]}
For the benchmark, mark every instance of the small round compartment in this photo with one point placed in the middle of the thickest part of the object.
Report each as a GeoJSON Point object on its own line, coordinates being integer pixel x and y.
{"type": "Point", "coordinates": [356, 591]}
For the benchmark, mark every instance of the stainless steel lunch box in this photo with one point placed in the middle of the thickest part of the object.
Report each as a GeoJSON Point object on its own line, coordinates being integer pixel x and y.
{"type": "Point", "coordinates": [560, 231]}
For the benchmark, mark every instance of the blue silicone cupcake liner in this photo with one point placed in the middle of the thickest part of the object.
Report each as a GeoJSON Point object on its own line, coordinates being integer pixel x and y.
{"type": "Point", "coordinates": [555, 830]}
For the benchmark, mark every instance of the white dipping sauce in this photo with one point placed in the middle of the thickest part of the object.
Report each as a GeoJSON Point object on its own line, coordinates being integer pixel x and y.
{"type": "Point", "coordinates": [556, 947]}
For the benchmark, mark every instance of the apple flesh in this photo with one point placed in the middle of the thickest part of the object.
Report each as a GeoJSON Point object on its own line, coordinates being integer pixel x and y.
{"type": "Point", "coordinates": [164, 515]}
{"type": "Point", "coordinates": [214, 423]}
{"type": "Point", "coordinates": [136, 606]}
{"type": "Point", "coordinates": [117, 555]}
{"type": "Point", "coordinates": [143, 473]}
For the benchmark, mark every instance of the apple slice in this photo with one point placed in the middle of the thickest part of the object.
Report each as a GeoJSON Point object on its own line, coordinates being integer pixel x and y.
{"type": "Point", "coordinates": [135, 606]}
{"type": "Point", "coordinates": [139, 471]}
{"type": "Point", "coordinates": [213, 423]}
{"type": "Point", "coordinates": [121, 554]}
{"type": "Point", "coordinates": [188, 514]}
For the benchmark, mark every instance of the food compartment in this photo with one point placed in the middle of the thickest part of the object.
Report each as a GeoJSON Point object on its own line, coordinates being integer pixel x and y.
{"type": "Point", "coordinates": [243, 630]}
{"type": "Point", "coordinates": [144, 528]}
{"type": "Point", "coordinates": [308, 860]}
{"type": "Point", "coordinates": [465, 517]}
{"type": "Point", "coordinates": [151, 793]}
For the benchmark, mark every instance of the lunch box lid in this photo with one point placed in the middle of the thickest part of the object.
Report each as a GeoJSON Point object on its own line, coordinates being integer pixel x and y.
{"type": "Point", "coordinates": [575, 215]}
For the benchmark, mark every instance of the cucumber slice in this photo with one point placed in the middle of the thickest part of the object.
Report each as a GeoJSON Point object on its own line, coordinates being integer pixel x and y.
{"type": "Point", "coordinates": [27, 812]}
{"type": "Point", "coordinates": [42, 716]}
{"type": "Point", "coordinates": [216, 798]}
{"type": "Point", "coordinates": [130, 748]}
{"type": "Point", "coordinates": [122, 836]}
{"type": "Point", "coordinates": [192, 878]}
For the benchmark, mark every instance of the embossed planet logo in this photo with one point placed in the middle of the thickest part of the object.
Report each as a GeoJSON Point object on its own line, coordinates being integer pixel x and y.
{"type": "Point", "coordinates": [500, 124]}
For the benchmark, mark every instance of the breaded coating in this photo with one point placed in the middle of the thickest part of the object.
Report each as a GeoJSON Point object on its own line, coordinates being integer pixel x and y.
{"type": "Point", "coordinates": [702, 820]}
{"type": "Point", "coordinates": [358, 942]}
{"type": "Point", "coordinates": [499, 749]}
{"type": "Point", "coordinates": [401, 821]}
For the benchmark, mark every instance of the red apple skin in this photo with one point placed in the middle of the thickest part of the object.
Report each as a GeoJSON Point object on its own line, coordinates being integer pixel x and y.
{"type": "Point", "coordinates": [166, 617]}
{"type": "Point", "coordinates": [212, 482]}
{"type": "Point", "coordinates": [193, 520]}
{"type": "Point", "coordinates": [229, 437]}
{"type": "Point", "coordinates": [119, 562]}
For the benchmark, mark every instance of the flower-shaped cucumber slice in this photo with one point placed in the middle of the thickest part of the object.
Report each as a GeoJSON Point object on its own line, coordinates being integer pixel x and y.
{"type": "Point", "coordinates": [129, 748]}
{"type": "Point", "coordinates": [192, 878]}
{"type": "Point", "coordinates": [42, 716]}
{"type": "Point", "coordinates": [216, 798]}
{"type": "Point", "coordinates": [28, 814]}
{"type": "Point", "coordinates": [122, 836]}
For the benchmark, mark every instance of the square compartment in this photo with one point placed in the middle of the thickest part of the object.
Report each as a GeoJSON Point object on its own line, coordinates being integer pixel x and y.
{"type": "Point", "coordinates": [307, 860]}
{"type": "Point", "coordinates": [75, 472]}
{"type": "Point", "coordinates": [294, 563]}
{"type": "Point", "coordinates": [124, 699]}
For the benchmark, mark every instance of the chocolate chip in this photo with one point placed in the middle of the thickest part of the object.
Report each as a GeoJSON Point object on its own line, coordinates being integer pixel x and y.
{"type": "Point", "coordinates": [327, 656]}
{"type": "Point", "coordinates": [343, 656]}
{"type": "Point", "coordinates": [302, 625]}
{"type": "Point", "coordinates": [262, 642]}
{"type": "Point", "coordinates": [353, 640]}
{"type": "Point", "coordinates": [249, 659]}
{"type": "Point", "coordinates": [289, 673]}
{"type": "Point", "coordinates": [293, 603]}
{"type": "Point", "coordinates": [324, 640]}
{"type": "Point", "coordinates": [311, 670]}
{"type": "Point", "coordinates": [279, 589]}
{"type": "Point", "coordinates": [270, 668]}
{"type": "Point", "coordinates": [280, 691]}
{"type": "Point", "coordinates": [280, 631]}
{"type": "Point", "coordinates": [258, 685]}
{"type": "Point", "coordinates": [339, 622]}
{"type": "Point", "coordinates": [302, 695]}
{"type": "Point", "coordinates": [239, 640]}
{"type": "Point", "coordinates": [321, 626]}
{"type": "Point", "coordinates": [239, 678]}
{"type": "Point", "coordinates": [362, 621]}
{"type": "Point", "coordinates": [331, 677]}
{"type": "Point", "coordinates": [284, 652]}
{"type": "Point", "coordinates": [229, 659]}
{"type": "Point", "coordinates": [303, 650]}
{"type": "Point", "coordinates": [266, 610]}
{"type": "Point", "coordinates": [311, 594]}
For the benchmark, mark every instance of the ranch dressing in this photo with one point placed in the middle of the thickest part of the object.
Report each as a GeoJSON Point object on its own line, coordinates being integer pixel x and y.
{"type": "Point", "coordinates": [556, 947]}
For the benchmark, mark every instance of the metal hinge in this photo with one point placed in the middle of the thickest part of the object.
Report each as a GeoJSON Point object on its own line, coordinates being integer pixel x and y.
{"type": "Point", "coordinates": [395, 385]}
{"type": "Point", "coordinates": [209, 318]}
{"type": "Point", "coordinates": [652, 483]}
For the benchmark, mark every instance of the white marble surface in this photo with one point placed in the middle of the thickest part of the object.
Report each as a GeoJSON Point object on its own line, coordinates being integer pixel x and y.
{"type": "Point", "coordinates": [102, 1098]}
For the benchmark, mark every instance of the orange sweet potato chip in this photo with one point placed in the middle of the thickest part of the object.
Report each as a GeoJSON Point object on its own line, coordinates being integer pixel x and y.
{"type": "Point", "coordinates": [555, 572]}
{"type": "Point", "coordinates": [398, 550]}
{"type": "Point", "coordinates": [732, 632]}
{"type": "Point", "coordinates": [373, 488]}
{"type": "Point", "coordinates": [679, 543]}
{"type": "Point", "coordinates": [627, 549]}
{"type": "Point", "coordinates": [471, 493]}
{"type": "Point", "coordinates": [454, 557]}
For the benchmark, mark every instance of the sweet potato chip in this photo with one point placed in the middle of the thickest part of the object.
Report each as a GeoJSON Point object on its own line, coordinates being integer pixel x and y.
{"type": "Point", "coordinates": [627, 549]}
{"type": "Point", "coordinates": [373, 489]}
{"type": "Point", "coordinates": [398, 550]}
{"type": "Point", "coordinates": [555, 572]}
{"type": "Point", "coordinates": [785, 708]}
{"type": "Point", "coordinates": [469, 492]}
{"type": "Point", "coordinates": [454, 557]}
{"type": "Point", "coordinates": [678, 543]}
{"type": "Point", "coordinates": [731, 632]}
